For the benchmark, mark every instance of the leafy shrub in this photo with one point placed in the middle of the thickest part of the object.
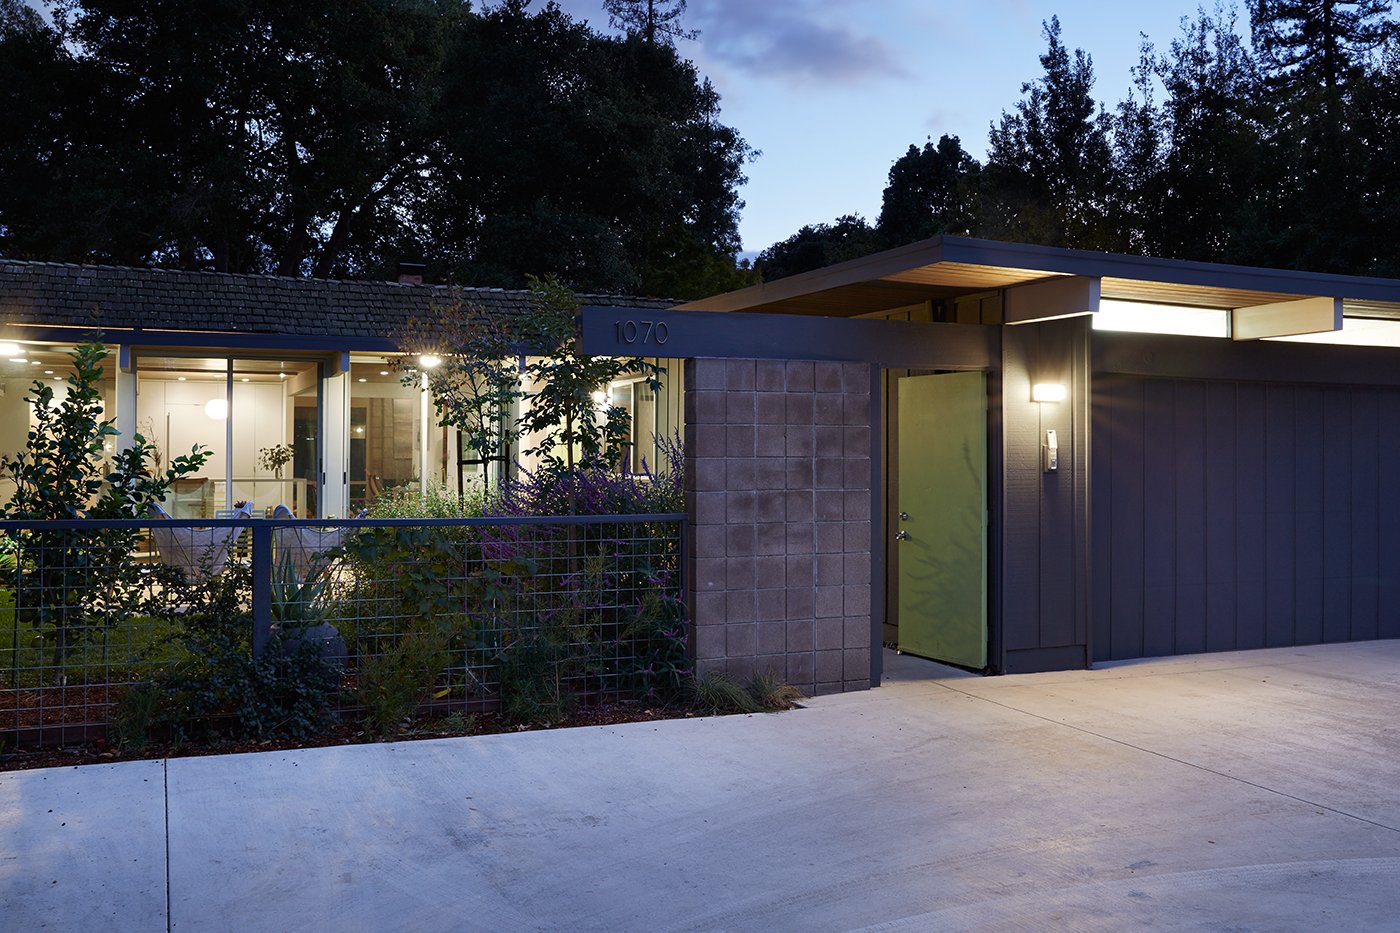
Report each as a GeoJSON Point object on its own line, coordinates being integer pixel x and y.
{"type": "Point", "coordinates": [135, 714]}
{"type": "Point", "coordinates": [439, 501]}
{"type": "Point", "coordinates": [598, 490]}
{"type": "Point", "coordinates": [73, 584]}
{"type": "Point", "coordinates": [392, 683]}
{"type": "Point", "coordinates": [221, 688]}
{"type": "Point", "coordinates": [658, 662]}
{"type": "Point", "coordinates": [543, 666]}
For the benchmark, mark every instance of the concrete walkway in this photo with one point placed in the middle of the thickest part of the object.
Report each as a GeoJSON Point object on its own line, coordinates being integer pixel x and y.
{"type": "Point", "coordinates": [1247, 791]}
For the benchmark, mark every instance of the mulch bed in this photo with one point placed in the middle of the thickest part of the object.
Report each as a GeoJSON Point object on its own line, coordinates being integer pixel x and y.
{"type": "Point", "coordinates": [77, 704]}
{"type": "Point", "coordinates": [344, 734]}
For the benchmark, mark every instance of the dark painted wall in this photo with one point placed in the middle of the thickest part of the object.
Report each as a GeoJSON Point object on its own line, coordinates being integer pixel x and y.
{"type": "Point", "coordinates": [1041, 562]}
{"type": "Point", "coordinates": [1232, 514]}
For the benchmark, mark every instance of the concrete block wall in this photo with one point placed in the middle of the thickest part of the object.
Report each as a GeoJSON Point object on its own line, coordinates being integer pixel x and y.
{"type": "Point", "coordinates": [778, 490]}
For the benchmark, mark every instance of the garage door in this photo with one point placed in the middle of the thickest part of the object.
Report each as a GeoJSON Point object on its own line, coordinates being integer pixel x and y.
{"type": "Point", "coordinates": [1232, 515]}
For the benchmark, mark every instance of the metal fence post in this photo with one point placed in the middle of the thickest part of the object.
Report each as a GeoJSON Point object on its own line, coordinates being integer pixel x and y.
{"type": "Point", "coordinates": [262, 586]}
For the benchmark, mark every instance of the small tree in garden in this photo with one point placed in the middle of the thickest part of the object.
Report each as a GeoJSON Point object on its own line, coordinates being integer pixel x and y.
{"type": "Point", "coordinates": [67, 579]}
{"type": "Point", "coordinates": [478, 361]}
{"type": "Point", "coordinates": [474, 376]}
{"type": "Point", "coordinates": [563, 409]}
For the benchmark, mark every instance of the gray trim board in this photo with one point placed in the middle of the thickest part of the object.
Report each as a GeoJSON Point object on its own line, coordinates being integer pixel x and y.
{"type": "Point", "coordinates": [1255, 361]}
{"type": "Point", "coordinates": [709, 335]}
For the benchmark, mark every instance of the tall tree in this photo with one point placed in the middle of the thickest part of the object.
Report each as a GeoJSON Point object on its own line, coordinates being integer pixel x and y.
{"type": "Point", "coordinates": [1375, 121]}
{"type": "Point", "coordinates": [1314, 48]}
{"type": "Point", "coordinates": [603, 160]}
{"type": "Point", "coordinates": [1137, 160]}
{"type": "Point", "coordinates": [76, 185]}
{"type": "Point", "coordinates": [653, 20]}
{"type": "Point", "coordinates": [931, 191]}
{"type": "Point", "coordinates": [1212, 186]}
{"type": "Point", "coordinates": [332, 137]}
{"type": "Point", "coordinates": [1048, 164]}
{"type": "Point", "coordinates": [279, 135]}
{"type": "Point", "coordinates": [1313, 53]}
{"type": "Point", "coordinates": [818, 245]}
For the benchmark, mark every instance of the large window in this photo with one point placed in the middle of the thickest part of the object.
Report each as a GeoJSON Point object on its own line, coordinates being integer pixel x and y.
{"type": "Point", "coordinates": [386, 432]}
{"type": "Point", "coordinates": [639, 400]}
{"type": "Point", "coordinates": [250, 414]}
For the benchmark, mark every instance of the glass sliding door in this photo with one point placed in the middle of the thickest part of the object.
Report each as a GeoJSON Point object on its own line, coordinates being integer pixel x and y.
{"type": "Point", "coordinates": [182, 402]}
{"type": "Point", "coordinates": [259, 419]}
{"type": "Point", "coordinates": [386, 432]}
{"type": "Point", "coordinates": [276, 451]}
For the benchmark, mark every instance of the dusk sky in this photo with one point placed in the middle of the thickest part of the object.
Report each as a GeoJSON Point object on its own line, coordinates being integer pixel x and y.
{"type": "Point", "coordinates": [833, 93]}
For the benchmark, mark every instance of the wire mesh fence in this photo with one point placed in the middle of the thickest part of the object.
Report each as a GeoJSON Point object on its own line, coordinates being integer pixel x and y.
{"type": "Point", "coordinates": [187, 621]}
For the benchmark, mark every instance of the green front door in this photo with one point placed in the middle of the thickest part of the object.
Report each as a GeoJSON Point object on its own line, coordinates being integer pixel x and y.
{"type": "Point", "coordinates": [941, 529]}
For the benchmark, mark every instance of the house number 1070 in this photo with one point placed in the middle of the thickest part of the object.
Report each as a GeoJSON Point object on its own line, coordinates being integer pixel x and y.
{"type": "Point", "coordinates": [641, 331]}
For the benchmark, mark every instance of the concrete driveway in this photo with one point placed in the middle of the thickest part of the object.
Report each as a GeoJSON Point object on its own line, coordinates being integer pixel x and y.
{"type": "Point", "coordinates": [1247, 791]}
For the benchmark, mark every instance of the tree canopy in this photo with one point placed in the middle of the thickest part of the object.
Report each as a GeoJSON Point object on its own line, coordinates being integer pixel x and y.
{"type": "Point", "coordinates": [336, 137]}
{"type": "Point", "coordinates": [1281, 150]}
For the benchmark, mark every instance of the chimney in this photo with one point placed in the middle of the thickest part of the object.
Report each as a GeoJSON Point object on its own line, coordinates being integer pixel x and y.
{"type": "Point", "coordinates": [411, 273]}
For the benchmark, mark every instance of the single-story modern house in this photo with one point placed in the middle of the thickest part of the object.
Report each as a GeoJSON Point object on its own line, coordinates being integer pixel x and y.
{"type": "Point", "coordinates": [1007, 457]}
{"type": "Point", "coordinates": [243, 364]}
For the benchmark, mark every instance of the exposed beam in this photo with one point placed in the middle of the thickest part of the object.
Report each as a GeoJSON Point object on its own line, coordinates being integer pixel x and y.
{"type": "Point", "coordinates": [1050, 299]}
{"type": "Point", "coordinates": [1286, 318]}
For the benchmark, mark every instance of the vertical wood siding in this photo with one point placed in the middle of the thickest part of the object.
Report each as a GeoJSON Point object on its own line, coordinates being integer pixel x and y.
{"type": "Point", "coordinates": [1232, 515]}
{"type": "Point", "coordinates": [1043, 599]}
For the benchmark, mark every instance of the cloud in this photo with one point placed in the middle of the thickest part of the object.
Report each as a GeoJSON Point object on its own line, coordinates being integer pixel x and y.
{"type": "Point", "coordinates": [796, 40]}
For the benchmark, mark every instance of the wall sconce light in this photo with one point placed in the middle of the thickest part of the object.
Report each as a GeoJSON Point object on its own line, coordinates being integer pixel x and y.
{"type": "Point", "coordinates": [216, 408]}
{"type": "Point", "coordinates": [429, 361]}
{"type": "Point", "coordinates": [1048, 392]}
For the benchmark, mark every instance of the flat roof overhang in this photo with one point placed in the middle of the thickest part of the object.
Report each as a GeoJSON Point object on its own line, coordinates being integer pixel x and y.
{"type": "Point", "coordinates": [948, 267]}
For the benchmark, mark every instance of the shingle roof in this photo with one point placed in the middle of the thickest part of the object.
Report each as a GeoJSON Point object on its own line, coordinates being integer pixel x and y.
{"type": "Point", "coordinates": [65, 294]}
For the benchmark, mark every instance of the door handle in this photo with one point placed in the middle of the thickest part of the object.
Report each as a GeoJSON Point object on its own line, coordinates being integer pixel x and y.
{"type": "Point", "coordinates": [901, 536]}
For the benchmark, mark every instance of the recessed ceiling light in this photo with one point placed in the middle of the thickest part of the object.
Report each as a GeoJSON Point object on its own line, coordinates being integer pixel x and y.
{"type": "Point", "coordinates": [384, 372]}
{"type": "Point", "coordinates": [35, 363]}
{"type": "Point", "coordinates": [48, 372]}
{"type": "Point", "coordinates": [10, 349]}
{"type": "Point", "coordinates": [245, 379]}
{"type": "Point", "coordinates": [18, 359]}
{"type": "Point", "coordinates": [364, 380]}
{"type": "Point", "coordinates": [180, 378]}
{"type": "Point", "coordinates": [281, 375]}
{"type": "Point", "coordinates": [57, 378]}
